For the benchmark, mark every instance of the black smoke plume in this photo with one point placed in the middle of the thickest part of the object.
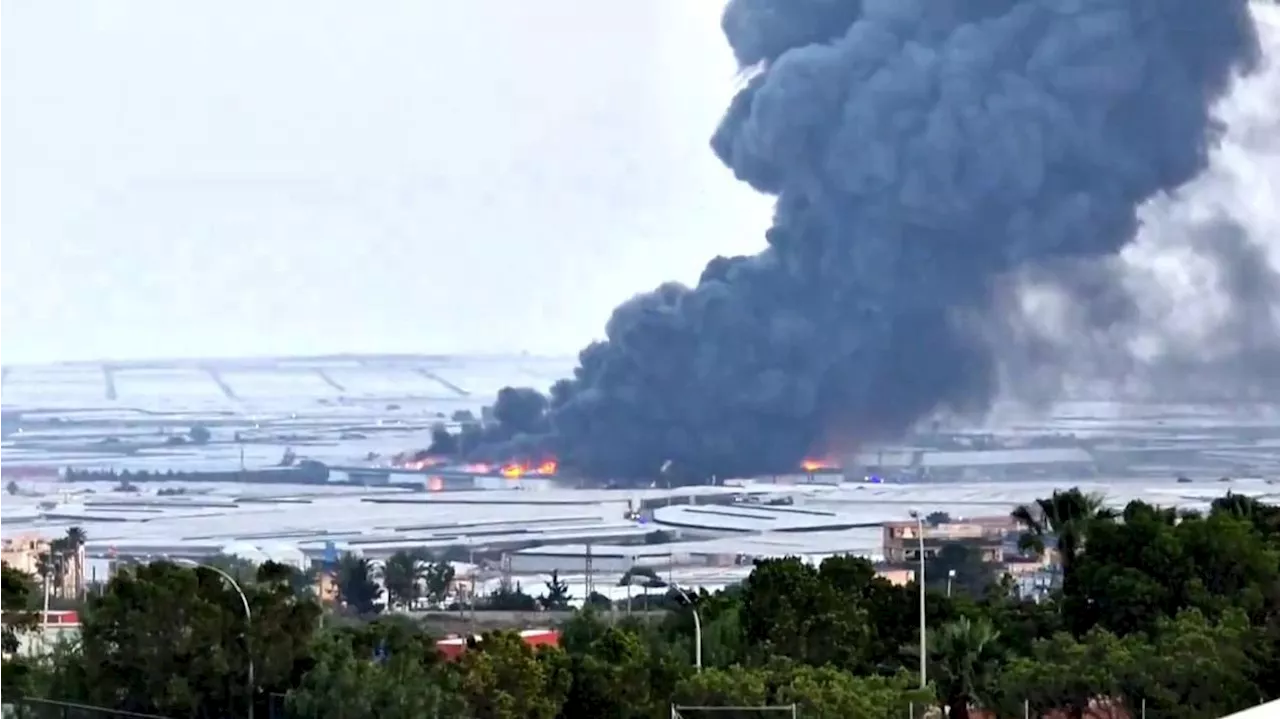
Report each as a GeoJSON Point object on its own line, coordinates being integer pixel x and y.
{"type": "Point", "coordinates": [920, 151]}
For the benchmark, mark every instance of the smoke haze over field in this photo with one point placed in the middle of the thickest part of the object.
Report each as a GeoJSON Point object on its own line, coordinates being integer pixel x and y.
{"type": "Point", "coordinates": [959, 187]}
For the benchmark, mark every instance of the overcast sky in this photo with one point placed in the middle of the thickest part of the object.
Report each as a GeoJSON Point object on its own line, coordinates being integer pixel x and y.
{"type": "Point", "coordinates": [247, 178]}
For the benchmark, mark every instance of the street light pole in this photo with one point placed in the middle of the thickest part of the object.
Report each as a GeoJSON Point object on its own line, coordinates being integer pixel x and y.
{"type": "Point", "coordinates": [697, 627]}
{"type": "Point", "coordinates": [924, 646]}
{"type": "Point", "coordinates": [248, 617]}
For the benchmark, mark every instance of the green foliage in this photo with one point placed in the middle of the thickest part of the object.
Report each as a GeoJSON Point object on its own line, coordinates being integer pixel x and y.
{"type": "Point", "coordinates": [557, 597]}
{"type": "Point", "coordinates": [358, 588]}
{"type": "Point", "coordinates": [1175, 611]}
{"type": "Point", "coordinates": [820, 692]}
{"type": "Point", "coordinates": [404, 574]}
{"type": "Point", "coordinates": [437, 577]}
{"type": "Point", "coordinates": [388, 670]}
{"type": "Point", "coordinates": [839, 613]}
{"type": "Point", "coordinates": [963, 660]}
{"type": "Point", "coordinates": [972, 575]}
{"type": "Point", "coordinates": [157, 617]}
{"type": "Point", "coordinates": [18, 600]}
{"type": "Point", "coordinates": [937, 518]}
{"type": "Point", "coordinates": [510, 599]}
{"type": "Point", "coordinates": [504, 678]}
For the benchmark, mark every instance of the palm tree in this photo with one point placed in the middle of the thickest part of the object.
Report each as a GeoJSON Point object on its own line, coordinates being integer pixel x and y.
{"type": "Point", "coordinates": [58, 559]}
{"type": "Point", "coordinates": [74, 545]}
{"type": "Point", "coordinates": [404, 575]}
{"type": "Point", "coordinates": [962, 659]}
{"type": "Point", "coordinates": [1061, 520]}
{"type": "Point", "coordinates": [45, 570]}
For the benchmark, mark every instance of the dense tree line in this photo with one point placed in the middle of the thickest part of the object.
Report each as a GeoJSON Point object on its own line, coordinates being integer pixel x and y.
{"type": "Point", "coordinates": [1174, 612]}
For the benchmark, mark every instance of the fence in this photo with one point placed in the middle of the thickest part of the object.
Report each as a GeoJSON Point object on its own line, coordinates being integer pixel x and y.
{"type": "Point", "coordinates": [1098, 709]}
{"type": "Point", "coordinates": [46, 709]}
{"type": "Point", "coordinates": [788, 711]}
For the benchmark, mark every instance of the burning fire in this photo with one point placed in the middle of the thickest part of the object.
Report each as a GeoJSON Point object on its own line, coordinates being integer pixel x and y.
{"type": "Point", "coordinates": [417, 463]}
{"type": "Point", "coordinates": [515, 470]}
{"type": "Point", "coordinates": [816, 465]}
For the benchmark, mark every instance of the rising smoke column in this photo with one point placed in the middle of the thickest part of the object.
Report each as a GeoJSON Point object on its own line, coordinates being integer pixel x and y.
{"type": "Point", "coordinates": [920, 151]}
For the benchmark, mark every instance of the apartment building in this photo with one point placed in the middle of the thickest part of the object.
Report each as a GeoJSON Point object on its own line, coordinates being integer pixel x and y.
{"type": "Point", "coordinates": [24, 553]}
{"type": "Point", "coordinates": [995, 537]}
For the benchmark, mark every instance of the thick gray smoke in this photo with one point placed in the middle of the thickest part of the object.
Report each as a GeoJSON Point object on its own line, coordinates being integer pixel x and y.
{"type": "Point", "coordinates": [1191, 308]}
{"type": "Point", "coordinates": [924, 153]}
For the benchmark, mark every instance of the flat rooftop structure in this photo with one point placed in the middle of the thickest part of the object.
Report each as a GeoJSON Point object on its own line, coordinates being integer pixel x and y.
{"type": "Point", "coordinates": [755, 518]}
{"type": "Point", "coordinates": [657, 496]}
{"type": "Point", "coordinates": [864, 542]}
{"type": "Point", "coordinates": [947, 459]}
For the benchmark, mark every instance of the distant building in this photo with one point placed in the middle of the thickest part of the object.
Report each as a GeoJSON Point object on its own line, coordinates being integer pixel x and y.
{"type": "Point", "coordinates": [996, 538]}
{"type": "Point", "coordinates": [993, 536]}
{"type": "Point", "coordinates": [897, 576]}
{"type": "Point", "coordinates": [977, 464]}
{"type": "Point", "coordinates": [453, 647]}
{"type": "Point", "coordinates": [24, 553]}
{"type": "Point", "coordinates": [54, 627]}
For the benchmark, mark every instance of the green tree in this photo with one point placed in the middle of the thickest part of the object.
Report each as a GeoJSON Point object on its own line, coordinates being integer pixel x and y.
{"type": "Point", "coordinates": [937, 518]}
{"type": "Point", "coordinates": [972, 574]}
{"type": "Point", "coordinates": [17, 600]}
{"type": "Point", "coordinates": [404, 574]}
{"type": "Point", "coordinates": [510, 599]}
{"type": "Point", "coordinates": [438, 578]}
{"type": "Point", "coordinates": [735, 686]}
{"type": "Point", "coordinates": [242, 569]}
{"type": "Point", "coordinates": [159, 616]}
{"type": "Point", "coordinates": [354, 676]}
{"type": "Point", "coordinates": [839, 613]}
{"type": "Point", "coordinates": [819, 692]}
{"type": "Point", "coordinates": [73, 545]}
{"type": "Point", "coordinates": [504, 678]}
{"type": "Point", "coordinates": [611, 675]}
{"type": "Point", "coordinates": [557, 597]}
{"type": "Point", "coordinates": [827, 693]}
{"type": "Point", "coordinates": [1199, 668]}
{"type": "Point", "coordinates": [199, 434]}
{"type": "Point", "coordinates": [1156, 563]}
{"type": "Point", "coordinates": [1072, 676]}
{"type": "Point", "coordinates": [963, 659]}
{"type": "Point", "coordinates": [52, 566]}
{"type": "Point", "coordinates": [1059, 521]}
{"type": "Point", "coordinates": [356, 580]}
{"type": "Point", "coordinates": [1265, 518]}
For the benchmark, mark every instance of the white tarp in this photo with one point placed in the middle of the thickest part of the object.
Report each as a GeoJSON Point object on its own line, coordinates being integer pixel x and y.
{"type": "Point", "coordinates": [1270, 710]}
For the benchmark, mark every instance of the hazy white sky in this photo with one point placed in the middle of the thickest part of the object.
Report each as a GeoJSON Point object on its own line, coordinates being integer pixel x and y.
{"type": "Point", "coordinates": [288, 177]}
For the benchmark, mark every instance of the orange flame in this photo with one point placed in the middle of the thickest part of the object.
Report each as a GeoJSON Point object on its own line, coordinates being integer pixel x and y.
{"type": "Point", "coordinates": [418, 464]}
{"type": "Point", "coordinates": [515, 470]}
{"type": "Point", "coordinates": [815, 465]}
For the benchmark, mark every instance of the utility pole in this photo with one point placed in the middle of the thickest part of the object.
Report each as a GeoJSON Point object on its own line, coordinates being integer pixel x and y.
{"type": "Point", "coordinates": [589, 581]}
